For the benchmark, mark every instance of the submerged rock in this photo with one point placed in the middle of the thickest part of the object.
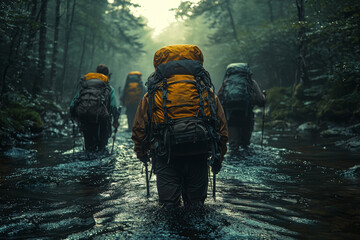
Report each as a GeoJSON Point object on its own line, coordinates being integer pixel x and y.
{"type": "Point", "coordinates": [336, 132]}
{"type": "Point", "coordinates": [353, 172]}
{"type": "Point", "coordinates": [308, 129]}
{"type": "Point", "coordinates": [352, 144]}
{"type": "Point", "coordinates": [279, 125]}
{"type": "Point", "coordinates": [19, 153]}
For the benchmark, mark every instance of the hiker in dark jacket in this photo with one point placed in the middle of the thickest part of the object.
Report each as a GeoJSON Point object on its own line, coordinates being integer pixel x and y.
{"type": "Point", "coordinates": [93, 106]}
{"type": "Point", "coordinates": [239, 112]}
{"type": "Point", "coordinates": [133, 92]}
{"type": "Point", "coordinates": [173, 108]}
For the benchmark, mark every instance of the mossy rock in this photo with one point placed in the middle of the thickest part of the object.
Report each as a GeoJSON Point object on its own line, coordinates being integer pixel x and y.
{"type": "Point", "coordinates": [276, 95]}
{"type": "Point", "coordinates": [299, 92]}
{"type": "Point", "coordinates": [340, 109]}
{"type": "Point", "coordinates": [25, 118]}
{"type": "Point", "coordinates": [279, 101]}
{"type": "Point", "coordinates": [303, 110]}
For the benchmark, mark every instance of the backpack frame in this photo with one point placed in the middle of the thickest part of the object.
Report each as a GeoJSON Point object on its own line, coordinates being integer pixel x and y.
{"type": "Point", "coordinates": [189, 135]}
{"type": "Point", "coordinates": [237, 88]}
{"type": "Point", "coordinates": [93, 102]}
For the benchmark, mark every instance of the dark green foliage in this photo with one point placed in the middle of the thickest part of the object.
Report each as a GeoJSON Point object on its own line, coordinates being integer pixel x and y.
{"type": "Point", "coordinates": [277, 102]}
{"type": "Point", "coordinates": [18, 113]}
{"type": "Point", "coordinates": [266, 34]}
{"type": "Point", "coordinates": [98, 32]}
{"type": "Point", "coordinates": [23, 119]}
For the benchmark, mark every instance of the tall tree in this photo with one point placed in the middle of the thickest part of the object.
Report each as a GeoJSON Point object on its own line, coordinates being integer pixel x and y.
{"type": "Point", "coordinates": [232, 21]}
{"type": "Point", "coordinates": [68, 29]}
{"type": "Point", "coordinates": [302, 76]}
{"type": "Point", "coordinates": [271, 13]}
{"type": "Point", "coordinates": [9, 62]}
{"type": "Point", "coordinates": [33, 28]}
{"type": "Point", "coordinates": [38, 84]}
{"type": "Point", "coordinates": [81, 61]}
{"type": "Point", "coordinates": [53, 72]}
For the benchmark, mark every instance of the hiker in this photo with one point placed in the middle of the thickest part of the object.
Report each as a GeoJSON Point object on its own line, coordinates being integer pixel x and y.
{"type": "Point", "coordinates": [238, 94]}
{"type": "Point", "coordinates": [93, 106]}
{"type": "Point", "coordinates": [181, 125]}
{"type": "Point", "coordinates": [133, 92]}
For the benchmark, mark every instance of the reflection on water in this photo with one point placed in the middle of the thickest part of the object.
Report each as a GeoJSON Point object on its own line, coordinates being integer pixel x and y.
{"type": "Point", "coordinates": [295, 191]}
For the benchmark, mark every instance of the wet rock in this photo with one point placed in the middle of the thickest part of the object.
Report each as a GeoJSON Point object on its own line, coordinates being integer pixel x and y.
{"type": "Point", "coordinates": [353, 172]}
{"type": "Point", "coordinates": [308, 129]}
{"type": "Point", "coordinates": [314, 92]}
{"type": "Point", "coordinates": [329, 133]}
{"type": "Point", "coordinates": [53, 118]}
{"type": "Point", "coordinates": [336, 132]}
{"type": "Point", "coordinates": [279, 125]}
{"type": "Point", "coordinates": [355, 129]}
{"type": "Point", "coordinates": [19, 153]}
{"type": "Point", "coordinates": [352, 144]}
{"type": "Point", "coordinates": [6, 140]}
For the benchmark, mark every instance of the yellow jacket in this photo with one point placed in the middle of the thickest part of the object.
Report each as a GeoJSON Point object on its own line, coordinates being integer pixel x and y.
{"type": "Point", "coordinates": [141, 120]}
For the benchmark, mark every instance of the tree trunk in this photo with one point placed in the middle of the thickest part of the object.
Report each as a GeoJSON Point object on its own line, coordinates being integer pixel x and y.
{"type": "Point", "coordinates": [42, 49]}
{"type": "Point", "coordinates": [93, 47]}
{"type": "Point", "coordinates": [55, 46]}
{"type": "Point", "coordinates": [9, 62]}
{"type": "Point", "coordinates": [271, 10]}
{"type": "Point", "coordinates": [69, 23]}
{"type": "Point", "coordinates": [29, 39]}
{"type": "Point", "coordinates": [302, 77]}
{"type": "Point", "coordinates": [82, 54]}
{"type": "Point", "coordinates": [232, 22]}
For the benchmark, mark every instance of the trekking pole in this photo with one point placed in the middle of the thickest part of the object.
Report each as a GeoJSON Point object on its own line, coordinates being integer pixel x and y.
{"type": "Point", "coordinates": [147, 179]}
{"type": "Point", "coordinates": [214, 186]}
{"type": "Point", "coordinates": [114, 138]}
{"type": "Point", "coordinates": [115, 131]}
{"type": "Point", "coordinates": [73, 125]}
{"type": "Point", "coordinates": [263, 121]}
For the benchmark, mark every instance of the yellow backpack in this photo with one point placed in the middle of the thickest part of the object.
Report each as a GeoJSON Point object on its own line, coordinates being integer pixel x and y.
{"type": "Point", "coordinates": [133, 91]}
{"type": "Point", "coordinates": [182, 109]}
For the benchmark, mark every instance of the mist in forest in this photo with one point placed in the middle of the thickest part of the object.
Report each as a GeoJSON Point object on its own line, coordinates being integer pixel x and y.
{"type": "Point", "coordinates": [299, 177]}
{"type": "Point", "coordinates": [49, 45]}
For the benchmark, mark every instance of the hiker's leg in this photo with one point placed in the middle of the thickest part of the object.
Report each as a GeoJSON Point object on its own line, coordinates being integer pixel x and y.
{"type": "Point", "coordinates": [247, 131]}
{"type": "Point", "coordinates": [89, 132]}
{"type": "Point", "coordinates": [233, 137]}
{"type": "Point", "coordinates": [169, 182]}
{"type": "Point", "coordinates": [131, 116]}
{"type": "Point", "coordinates": [195, 180]}
{"type": "Point", "coordinates": [104, 134]}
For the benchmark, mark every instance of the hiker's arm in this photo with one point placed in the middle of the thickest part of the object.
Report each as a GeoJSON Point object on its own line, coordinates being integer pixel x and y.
{"type": "Point", "coordinates": [258, 97]}
{"type": "Point", "coordinates": [113, 108]}
{"type": "Point", "coordinates": [223, 131]}
{"type": "Point", "coordinates": [138, 130]}
{"type": "Point", "coordinates": [72, 105]}
{"type": "Point", "coordinates": [122, 97]}
{"type": "Point", "coordinates": [220, 92]}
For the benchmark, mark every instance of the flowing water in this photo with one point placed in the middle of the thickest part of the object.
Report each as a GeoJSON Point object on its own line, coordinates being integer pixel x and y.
{"type": "Point", "coordinates": [287, 189]}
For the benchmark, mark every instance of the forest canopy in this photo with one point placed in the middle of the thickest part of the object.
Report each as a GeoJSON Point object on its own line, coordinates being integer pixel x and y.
{"type": "Point", "coordinates": [46, 46]}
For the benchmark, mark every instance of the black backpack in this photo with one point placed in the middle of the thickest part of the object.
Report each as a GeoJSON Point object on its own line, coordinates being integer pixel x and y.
{"type": "Point", "coordinates": [184, 136]}
{"type": "Point", "coordinates": [237, 87]}
{"type": "Point", "coordinates": [93, 102]}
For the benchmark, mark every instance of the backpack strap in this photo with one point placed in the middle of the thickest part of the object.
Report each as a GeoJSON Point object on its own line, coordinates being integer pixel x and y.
{"type": "Point", "coordinates": [200, 89]}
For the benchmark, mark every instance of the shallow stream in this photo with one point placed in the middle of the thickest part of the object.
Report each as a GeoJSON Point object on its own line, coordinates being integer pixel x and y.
{"type": "Point", "coordinates": [287, 189]}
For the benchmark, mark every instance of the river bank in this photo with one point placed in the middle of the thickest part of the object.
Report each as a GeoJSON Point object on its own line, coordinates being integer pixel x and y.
{"type": "Point", "coordinates": [24, 118]}
{"type": "Point", "coordinates": [316, 112]}
{"type": "Point", "coordinates": [53, 192]}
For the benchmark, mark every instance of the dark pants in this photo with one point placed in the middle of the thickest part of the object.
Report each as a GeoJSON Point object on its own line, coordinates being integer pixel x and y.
{"type": "Point", "coordinates": [183, 176]}
{"type": "Point", "coordinates": [130, 113]}
{"type": "Point", "coordinates": [240, 127]}
{"type": "Point", "coordinates": [96, 135]}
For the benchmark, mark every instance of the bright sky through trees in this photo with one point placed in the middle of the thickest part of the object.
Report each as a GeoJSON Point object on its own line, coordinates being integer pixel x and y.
{"type": "Point", "coordinates": [157, 12]}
